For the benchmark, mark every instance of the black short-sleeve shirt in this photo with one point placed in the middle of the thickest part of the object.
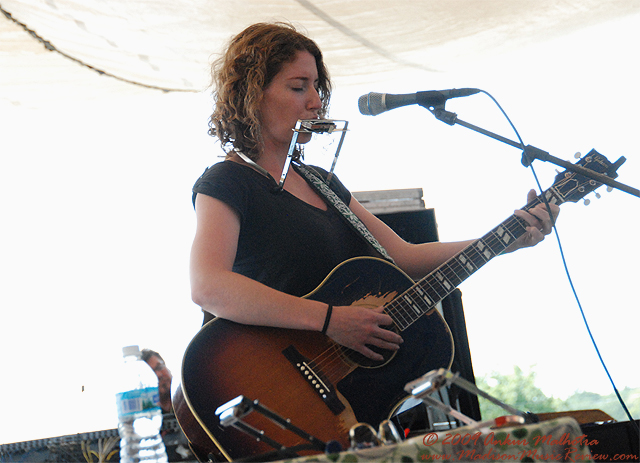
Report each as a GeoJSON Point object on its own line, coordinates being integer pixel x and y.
{"type": "Point", "coordinates": [284, 242]}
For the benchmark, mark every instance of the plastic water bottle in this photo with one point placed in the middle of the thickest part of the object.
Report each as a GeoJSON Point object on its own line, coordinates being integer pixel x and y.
{"type": "Point", "coordinates": [139, 413]}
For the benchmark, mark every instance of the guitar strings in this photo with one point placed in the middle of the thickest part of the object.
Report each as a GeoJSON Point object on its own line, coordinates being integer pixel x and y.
{"type": "Point", "coordinates": [330, 363]}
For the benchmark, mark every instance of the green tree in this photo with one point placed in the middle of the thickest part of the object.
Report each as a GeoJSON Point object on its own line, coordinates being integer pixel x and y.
{"type": "Point", "coordinates": [520, 391]}
{"type": "Point", "coordinates": [517, 390]}
{"type": "Point", "coordinates": [609, 404]}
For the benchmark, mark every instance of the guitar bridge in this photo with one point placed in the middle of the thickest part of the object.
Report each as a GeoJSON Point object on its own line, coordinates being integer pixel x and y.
{"type": "Point", "coordinates": [316, 381]}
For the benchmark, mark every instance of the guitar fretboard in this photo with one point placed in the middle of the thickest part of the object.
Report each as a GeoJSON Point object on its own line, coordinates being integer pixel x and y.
{"type": "Point", "coordinates": [429, 291]}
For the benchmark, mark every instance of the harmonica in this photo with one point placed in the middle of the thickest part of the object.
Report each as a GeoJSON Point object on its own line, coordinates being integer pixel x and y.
{"type": "Point", "coordinates": [316, 126]}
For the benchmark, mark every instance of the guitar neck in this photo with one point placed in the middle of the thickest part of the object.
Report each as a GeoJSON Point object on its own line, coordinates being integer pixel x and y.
{"type": "Point", "coordinates": [430, 290]}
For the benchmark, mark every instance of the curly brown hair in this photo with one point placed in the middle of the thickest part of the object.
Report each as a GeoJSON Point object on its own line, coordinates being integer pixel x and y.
{"type": "Point", "coordinates": [239, 78]}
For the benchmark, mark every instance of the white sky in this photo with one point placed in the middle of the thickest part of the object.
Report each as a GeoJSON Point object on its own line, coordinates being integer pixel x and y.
{"type": "Point", "coordinates": [97, 223]}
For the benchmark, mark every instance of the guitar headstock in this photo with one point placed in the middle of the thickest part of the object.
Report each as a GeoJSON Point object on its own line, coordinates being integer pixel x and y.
{"type": "Point", "coordinates": [571, 186]}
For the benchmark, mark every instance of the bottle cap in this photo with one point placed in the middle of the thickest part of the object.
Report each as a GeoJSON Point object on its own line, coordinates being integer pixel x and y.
{"type": "Point", "coordinates": [130, 350]}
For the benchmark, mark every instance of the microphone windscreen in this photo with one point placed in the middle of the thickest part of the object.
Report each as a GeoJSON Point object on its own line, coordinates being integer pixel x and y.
{"type": "Point", "coordinates": [371, 104]}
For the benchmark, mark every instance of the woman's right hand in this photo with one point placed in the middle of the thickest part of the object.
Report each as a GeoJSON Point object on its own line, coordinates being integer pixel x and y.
{"type": "Point", "coordinates": [359, 327]}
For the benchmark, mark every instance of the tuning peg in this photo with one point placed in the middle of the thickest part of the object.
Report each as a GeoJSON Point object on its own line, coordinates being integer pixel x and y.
{"type": "Point", "coordinates": [587, 202]}
{"type": "Point", "coordinates": [578, 155]}
{"type": "Point", "coordinates": [609, 189]}
{"type": "Point", "coordinates": [598, 195]}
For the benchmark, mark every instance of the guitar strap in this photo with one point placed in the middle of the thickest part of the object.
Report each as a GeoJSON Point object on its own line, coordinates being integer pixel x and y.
{"type": "Point", "coordinates": [352, 220]}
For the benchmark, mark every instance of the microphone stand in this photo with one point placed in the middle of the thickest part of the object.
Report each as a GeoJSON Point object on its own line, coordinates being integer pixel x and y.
{"type": "Point", "coordinates": [530, 153]}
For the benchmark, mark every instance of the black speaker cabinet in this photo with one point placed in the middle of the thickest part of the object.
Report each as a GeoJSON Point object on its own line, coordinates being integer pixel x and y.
{"type": "Point", "coordinates": [613, 441]}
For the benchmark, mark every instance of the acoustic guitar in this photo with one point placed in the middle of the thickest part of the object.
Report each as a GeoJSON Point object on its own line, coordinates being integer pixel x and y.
{"type": "Point", "coordinates": [325, 388]}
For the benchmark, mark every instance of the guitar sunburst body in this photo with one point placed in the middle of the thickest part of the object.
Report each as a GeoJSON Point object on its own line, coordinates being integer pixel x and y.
{"type": "Point", "coordinates": [227, 359]}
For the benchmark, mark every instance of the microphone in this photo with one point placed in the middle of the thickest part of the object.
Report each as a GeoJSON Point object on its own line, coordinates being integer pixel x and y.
{"type": "Point", "coordinates": [373, 103]}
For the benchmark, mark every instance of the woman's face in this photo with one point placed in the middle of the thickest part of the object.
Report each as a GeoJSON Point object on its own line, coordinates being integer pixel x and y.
{"type": "Point", "coordinates": [291, 95]}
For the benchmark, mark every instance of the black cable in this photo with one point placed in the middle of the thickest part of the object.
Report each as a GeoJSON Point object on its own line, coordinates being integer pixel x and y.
{"type": "Point", "coordinates": [566, 268]}
{"type": "Point", "coordinates": [49, 46]}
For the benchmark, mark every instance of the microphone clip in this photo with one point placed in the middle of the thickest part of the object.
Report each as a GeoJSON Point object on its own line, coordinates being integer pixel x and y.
{"type": "Point", "coordinates": [431, 99]}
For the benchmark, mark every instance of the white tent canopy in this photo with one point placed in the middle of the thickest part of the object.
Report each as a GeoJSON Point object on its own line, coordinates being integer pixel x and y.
{"type": "Point", "coordinates": [169, 44]}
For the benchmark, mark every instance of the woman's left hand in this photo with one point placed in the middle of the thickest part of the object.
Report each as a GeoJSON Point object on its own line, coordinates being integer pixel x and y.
{"type": "Point", "coordinates": [540, 223]}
